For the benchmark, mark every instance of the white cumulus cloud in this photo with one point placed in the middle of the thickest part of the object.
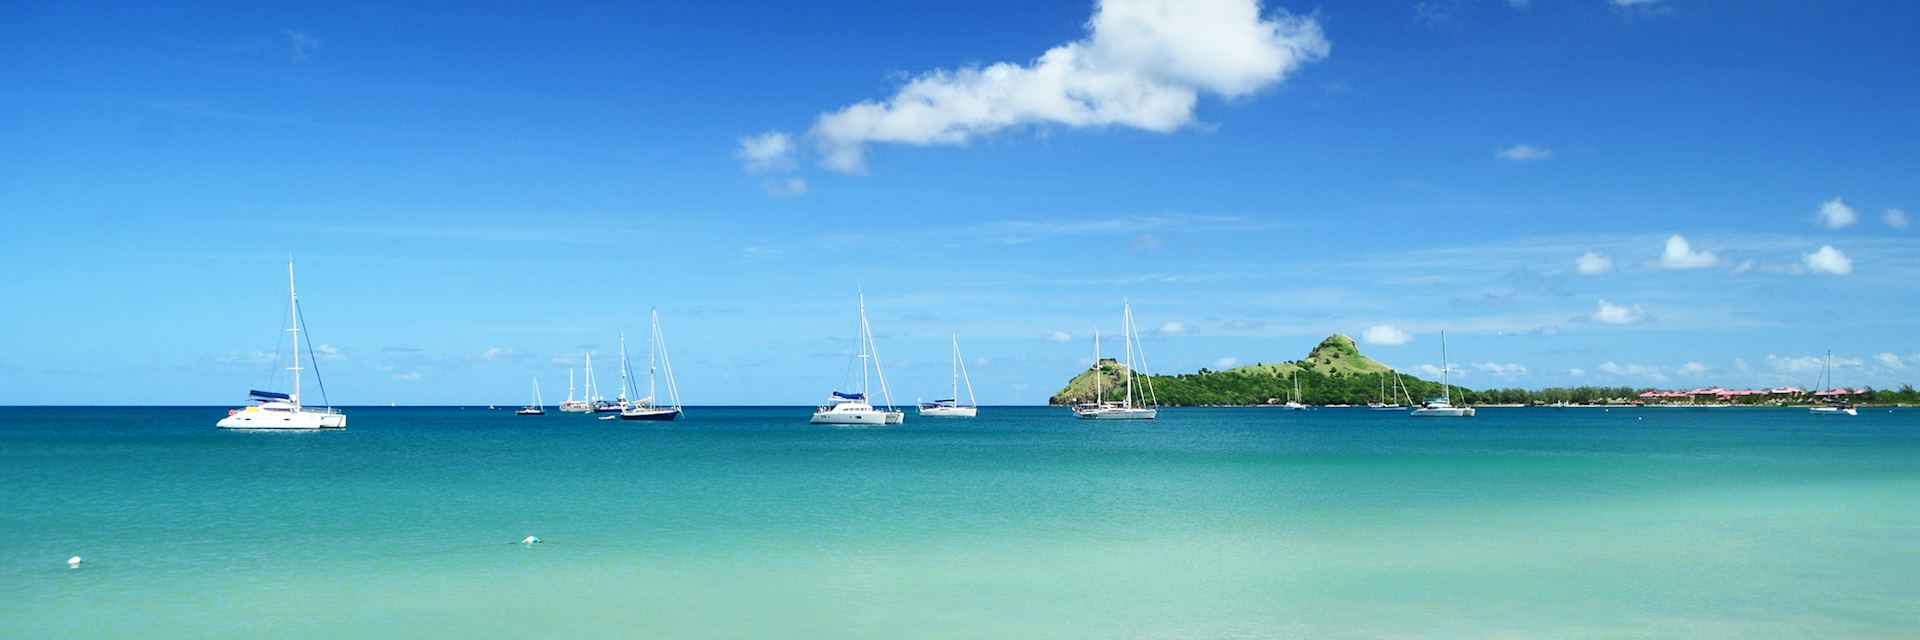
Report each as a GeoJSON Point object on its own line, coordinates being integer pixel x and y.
{"type": "Point", "coordinates": [1692, 369]}
{"type": "Point", "coordinates": [1828, 260]}
{"type": "Point", "coordinates": [1593, 263]}
{"type": "Point", "coordinates": [1226, 363]}
{"type": "Point", "coordinates": [1577, 372]}
{"type": "Point", "coordinates": [1679, 254]}
{"type": "Point", "coordinates": [1834, 214]}
{"type": "Point", "coordinates": [1895, 218]}
{"type": "Point", "coordinates": [1059, 336]}
{"type": "Point", "coordinates": [1523, 153]}
{"type": "Point", "coordinates": [1610, 313]}
{"type": "Point", "coordinates": [1385, 334]}
{"type": "Point", "coordinates": [1143, 64]}
{"type": "Point", "coordinates": [1890, 361]}
{"type": "Point", "coordinates": [1173, 328]}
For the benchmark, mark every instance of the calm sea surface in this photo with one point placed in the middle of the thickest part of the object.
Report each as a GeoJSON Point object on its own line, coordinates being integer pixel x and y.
{"type": "Point", "coordinates": [747, 522]}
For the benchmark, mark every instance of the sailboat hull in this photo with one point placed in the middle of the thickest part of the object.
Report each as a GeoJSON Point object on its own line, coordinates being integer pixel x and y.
{"type": "Point", "coordinates": [1442, 412]}
{"type": "Point", "coordinates": [949, 412]}
{"type": "Point", "coordinates": [870, 418]}
{"type": "Point", "coordinates": [1116, 413]}
{"type": "Point", "coordinates": [651, 415]}
{"type": "Point", "coordinates": [1834, 411]}
{"type": "Point", "coordinates": [283, 420]}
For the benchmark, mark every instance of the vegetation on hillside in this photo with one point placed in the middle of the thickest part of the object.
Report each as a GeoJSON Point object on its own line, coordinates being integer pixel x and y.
{"type": "Point", "coordinates": [1335, 372]}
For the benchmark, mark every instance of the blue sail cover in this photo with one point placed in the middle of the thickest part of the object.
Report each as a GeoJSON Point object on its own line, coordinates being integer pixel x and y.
{"type": "Point", "coordinates": [850, 396]}
{"type": "Point", "coordinates": [269, 395]}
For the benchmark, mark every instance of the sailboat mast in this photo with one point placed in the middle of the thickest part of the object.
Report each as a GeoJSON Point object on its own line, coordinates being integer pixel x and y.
{"type": "Point", "coordinates": [865, 338]}
{"type": "Point", "coordinates": [293, 329]}
{"type": "Point", "coordinates": [655, 317]}
{"type": "Point", "coordinates": [624, 382]}
{"type": "Point", "coordinates": [589, 376]}
{"type": "Point", "coordinates": [1126, 335]}
{"type": "Point", "coordinates": [1830, 369]}
{"type": "Point", "coordinates": [1098, 398]}
{"type": "Point", "coordinates": [1446, 384]}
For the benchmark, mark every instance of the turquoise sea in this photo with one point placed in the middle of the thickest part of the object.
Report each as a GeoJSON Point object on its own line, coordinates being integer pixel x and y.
{"type": "Point", "coordinates": [1023, 523]}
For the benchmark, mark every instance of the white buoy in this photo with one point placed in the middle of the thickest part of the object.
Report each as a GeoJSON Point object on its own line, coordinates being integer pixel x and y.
{"type": "Point", "coordinates": [531, 540]}
{"type": "Point", "coordinates": [74, 562]}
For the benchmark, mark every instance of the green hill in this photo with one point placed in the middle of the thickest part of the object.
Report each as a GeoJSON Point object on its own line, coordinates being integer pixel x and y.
{"type": "Point", "coordinates": [1335, 372]}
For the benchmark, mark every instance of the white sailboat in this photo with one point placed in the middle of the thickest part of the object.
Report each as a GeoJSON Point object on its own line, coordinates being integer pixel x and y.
{"type": "Point", "coordinates": [1390, 400]}
{"type": "Point", "coordinates": [1125, 409]}
{"type": "Point", "coordinates": [1442, 407]}
{"type": "Point", "coordinates": [271, 410]}
{"type": "Point", "coordinates": [576, 406]}
{"type": "Point", "coordinates": [646, 408]}
{"type": "Point", "coordinates": [1838, 407]}
{"type": "Point", "coordinates": [855, 408]}
{"type": "Point", "coordinates": [1293, 402]}
{"type": "Point", "coordinates": [951, 407]}
{"type": "Point", "coordinates": [538, 408]}
{"type": "Point", "coordinates": [597, 403]}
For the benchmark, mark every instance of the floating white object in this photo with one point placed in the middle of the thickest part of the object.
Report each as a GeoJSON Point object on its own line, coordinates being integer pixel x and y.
{"type": "Point", "coordinates": [74, 562]}
{"type": "Point", "coordinates": [529, 540]}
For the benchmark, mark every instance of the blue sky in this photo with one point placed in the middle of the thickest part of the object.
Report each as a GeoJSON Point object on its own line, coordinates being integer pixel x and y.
{"type": "Point", "coordinates": [477, 193]}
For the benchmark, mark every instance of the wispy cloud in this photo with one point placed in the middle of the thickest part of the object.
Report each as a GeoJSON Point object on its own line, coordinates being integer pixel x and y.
{"type": "Point", "coordinates": [1895, 218]}
{"type": "Point", "coordinates": [1635, 371]}
{"type": "Point", "coordinates": [1593, 263]}
{"type": "Point", "coordinates": [300, 44]}
{"type": "Point", "coordinates": [766, 152]}
{"type": "Point", "coordinates": [254, 357]}
{"type": "Point", "coordinates": [1143, 64]}
{"type": "Point", "coordinates": [787, 187]}
{"type": "Point", "coordinates": [1523, 153]}
{"type": "Point", "coordinates": [1507, 370]}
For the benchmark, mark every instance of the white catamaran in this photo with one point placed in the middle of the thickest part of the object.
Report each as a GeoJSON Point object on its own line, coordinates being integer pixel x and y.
{"type": "Point", "coordinates": [646, 408]}
{"type": "Point", "coordinates": [1442, 407]}
{"type": "Point", "coordinates": [855, 408]}
{"type": "Point", "coordinates": [951, 407]}
{"type": "Point", "coordinates": [1836, 403]}
{"type": "Point", "coordinates": [1100, 408]}
{"type": "Point", "coordinates": [538, 408]}
{"type": "Point", "coordinates": [271, 410]}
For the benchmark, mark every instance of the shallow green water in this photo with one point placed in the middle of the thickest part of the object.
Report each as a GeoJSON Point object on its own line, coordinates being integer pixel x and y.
{"type": "Point", "coordinates": [1207, 523]}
